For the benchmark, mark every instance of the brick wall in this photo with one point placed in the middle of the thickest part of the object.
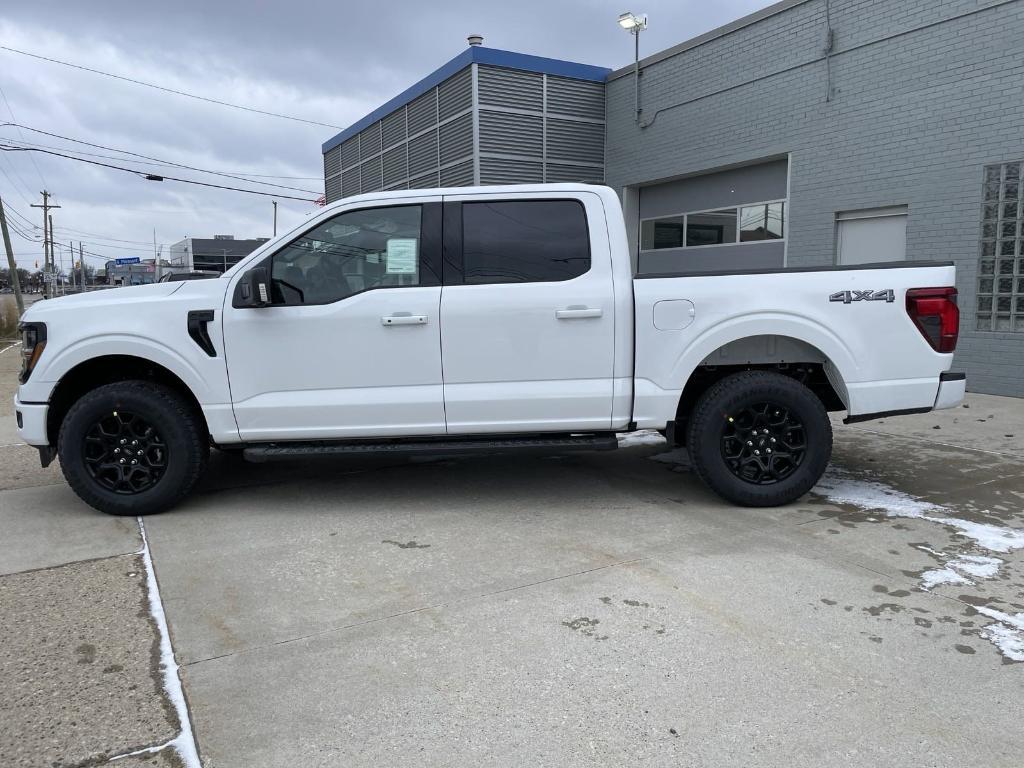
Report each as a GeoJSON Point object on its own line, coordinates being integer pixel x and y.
{"type": "Point", "coordinates": [924, 93]}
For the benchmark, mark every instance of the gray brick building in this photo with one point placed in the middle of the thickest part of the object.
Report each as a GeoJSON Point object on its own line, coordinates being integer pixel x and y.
{"type": "Point", "coordinates": [813, 132]}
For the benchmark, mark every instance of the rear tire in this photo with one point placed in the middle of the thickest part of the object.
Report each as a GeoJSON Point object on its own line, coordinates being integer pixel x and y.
{"type": "Point", "coordinates": [759, 439]}
{"type": "Point", "coordinates": [132, 448]}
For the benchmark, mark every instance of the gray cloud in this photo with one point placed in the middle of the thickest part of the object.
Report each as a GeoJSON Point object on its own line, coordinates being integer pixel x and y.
{"type": "Point", "coordinates": [324, 61]}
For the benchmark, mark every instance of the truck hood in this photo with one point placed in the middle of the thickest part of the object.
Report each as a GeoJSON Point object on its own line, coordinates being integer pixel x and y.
{"type": "Point", "coordinates": [121, 297]}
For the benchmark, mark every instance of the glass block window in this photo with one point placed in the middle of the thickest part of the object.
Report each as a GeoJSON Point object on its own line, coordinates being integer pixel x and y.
{"type": "Point", "coordinates": [1001, 255]}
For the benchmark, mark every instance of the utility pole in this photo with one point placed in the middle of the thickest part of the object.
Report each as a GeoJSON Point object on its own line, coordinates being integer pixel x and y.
{"type": "Point", "coordinates": [47, 239]}
{"type": "Point", "coordinates": [275, 217]}
{"type": "Point", "coordinates": [72, 245]}
{"type": "Point", "coordinates": [81, 263]}
{"type": "Point", "coordinates": [12, 265]}
{"type": "Point", "coordinates": [156, 260]}
{"type": "Point", "coordinates": [60, 275]}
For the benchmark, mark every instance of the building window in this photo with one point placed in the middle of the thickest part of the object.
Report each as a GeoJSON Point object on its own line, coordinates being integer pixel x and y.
{"type": "Point", "coordinates": [1001, 255]}
{"type": "Point", "coordinates": [726, 226]}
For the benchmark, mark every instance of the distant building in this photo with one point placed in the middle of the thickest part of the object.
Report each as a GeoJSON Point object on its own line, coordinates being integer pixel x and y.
{"type": "Point", "coordinates": [142, 273]}
{"type": "Point", "coordinates": [217, 254]}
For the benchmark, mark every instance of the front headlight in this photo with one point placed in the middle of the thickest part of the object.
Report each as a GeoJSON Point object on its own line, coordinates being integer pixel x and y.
{"type": "Point", "coordinates": [33, 341]}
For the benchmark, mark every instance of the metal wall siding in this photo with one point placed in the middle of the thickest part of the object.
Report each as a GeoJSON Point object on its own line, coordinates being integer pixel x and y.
{"type": "Point", "coordinates": [350, 182]}
{"type": "Point", "coordinates": [369, 141]}
{"type": "Point", "coordinates": [393, 128]}
{"type": "Point", "coordinates": [578, 142]}
{"type": "Point", "coordinates": [332, 189]}
{"type": "Point", "coordinates": [456, 139]}
{"type": "Point", "coordinates": [455, 94]}
{"type": "Point", "coordinates": [370, 176]}
{"type": "Point", "coordinates": [423, 153]}
{"type": "Point", "coordinates": [422, 112]}
{"type": "Point", "coordinates": [332, 162]}
{"type": "Point", "coordinates": [497, 170]}
{"type": "Point", "coordinates": [426, 181]}
{"type": "Point", "coordinates": [511, 133]}
{"type": "Point", "coordinates": [582, 174]}
{"type": "Point", "coordinates": [395, 166]}
{"type": "Point", "coordinates": [577, 98]}
{"type": "Point", "coordinates": [460, 175]}
{"type": "Point", "coordinates": [350, 152]}
{"type": "Point", "coordinates": [510, 88]}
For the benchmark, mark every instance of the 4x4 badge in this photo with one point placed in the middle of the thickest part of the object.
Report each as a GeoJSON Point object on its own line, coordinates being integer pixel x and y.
{"type": "Point", "coordinates": [848, 297]}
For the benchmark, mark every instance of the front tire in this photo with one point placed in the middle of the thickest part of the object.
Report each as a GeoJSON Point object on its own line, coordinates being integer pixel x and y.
{"type": "Point", "coordinates": [759, 439]}
{"type": "Point", "coordinates": [132, 448]}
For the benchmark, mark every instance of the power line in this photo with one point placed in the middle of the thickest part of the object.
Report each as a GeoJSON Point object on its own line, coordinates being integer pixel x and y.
{"type": "Point", "coordinates": [136, 154]}
{"type": "Point", "coordinates": [15, 119]}
{"type": "Point", "coordinates": [168, 90]}
{"type": "Point", "coordinates": [152, 177]}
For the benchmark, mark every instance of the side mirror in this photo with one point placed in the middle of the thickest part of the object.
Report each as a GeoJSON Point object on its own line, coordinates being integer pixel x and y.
{"type": "Point", "coordinates": [253, 290]}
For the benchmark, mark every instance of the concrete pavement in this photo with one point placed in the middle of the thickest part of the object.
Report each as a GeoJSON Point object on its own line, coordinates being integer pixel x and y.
{"type": "Point", "coordinates": [587, 610]}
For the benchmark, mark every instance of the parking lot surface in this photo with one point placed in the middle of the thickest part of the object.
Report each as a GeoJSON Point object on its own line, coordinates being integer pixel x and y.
{"type": "Point", "coordinates": [600, 609]}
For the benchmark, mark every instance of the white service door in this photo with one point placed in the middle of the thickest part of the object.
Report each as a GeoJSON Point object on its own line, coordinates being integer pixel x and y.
{"type": "Point", "coordinates": [351, 347]}
{"type": "Point", "coordinates": [527, 339]}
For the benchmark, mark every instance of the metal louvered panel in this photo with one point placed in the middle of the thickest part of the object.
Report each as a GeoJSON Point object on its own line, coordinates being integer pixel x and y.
{"type": "Point", "coordinates": [422, 112]}
{"type": "Point", "coordinates": [370, 174]}
{"type": "Point", "coordinates": [460, 175]}
{"type": "Point", "coordinates": [398, 185]}
{"type": "Point", "coordinates": [581, 174]}
{"type": "Point", "coordinates": [497, 170]}
{"type": "Point", "coordinates": [426, 181]}
{"type": "Point", "coordinates": [393, 128]}
{"type": "Point", "coordinates": [510, 88]}
{"type": "Point", "coordinates": [350, 152]}
{"type": "Point", "coordinates": [395, 166]}
{"type": "Point", "coordinates": [511, 133]}
{"type": "Point", "coordinates": [350, 182]}
{"type": "Point", "coordinates": [456, 139]}
{"type": "Point", "coordinates": [423, 153]}
{"type": "Point", "coordinates": [577, 98]}
{"type": "Point", "coordinates": [579, 142]}
{"type": "Point", "coordinates": [332, 189]}
{"type": "Point", "coordinates": [332, 162]}
{"type": "Point", "coordinates": [455, 94]}
{"type": "Point", "coordinates": [369, 141]}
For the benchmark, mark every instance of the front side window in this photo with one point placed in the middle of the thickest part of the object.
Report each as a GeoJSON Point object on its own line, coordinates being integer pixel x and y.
{"type": "Point", "coordinates": [524, 241]}
{"type": "Point", "coordinates": [350, 253]}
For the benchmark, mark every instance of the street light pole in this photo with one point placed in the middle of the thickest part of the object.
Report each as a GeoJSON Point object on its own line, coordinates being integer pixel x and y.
{"type": "Point", "coordinates": [635, 24]}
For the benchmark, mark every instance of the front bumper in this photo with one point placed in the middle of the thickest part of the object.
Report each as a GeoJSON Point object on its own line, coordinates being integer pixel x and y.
{"type": "Point", "coordinates": [952, 387]}
{"type": "Point", "coordinates": [31, 418]}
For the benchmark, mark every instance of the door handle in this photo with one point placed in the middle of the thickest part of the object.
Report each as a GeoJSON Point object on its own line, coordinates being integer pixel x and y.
{"type": "Point", "coordinates": [578, 313]}
{"type": "Point", "coordinates": [403, 318]}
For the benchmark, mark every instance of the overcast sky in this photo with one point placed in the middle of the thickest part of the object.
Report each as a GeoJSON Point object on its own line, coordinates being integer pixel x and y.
{"type": "Point", "coordinates": [316, 60]}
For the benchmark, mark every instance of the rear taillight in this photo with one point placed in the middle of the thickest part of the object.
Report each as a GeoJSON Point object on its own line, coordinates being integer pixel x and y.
{"type": "Point", "coordinates": [936, 315]}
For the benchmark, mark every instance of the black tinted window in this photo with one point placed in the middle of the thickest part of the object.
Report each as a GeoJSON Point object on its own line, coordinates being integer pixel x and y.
{"type": "Point", "coordinates": [528, 241]}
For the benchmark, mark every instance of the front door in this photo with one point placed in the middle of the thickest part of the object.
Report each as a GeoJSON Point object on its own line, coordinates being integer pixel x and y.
{"type": "Point", "coordinates": [350, 346]}
{"type": "Point", "coordinates": [527, 314]}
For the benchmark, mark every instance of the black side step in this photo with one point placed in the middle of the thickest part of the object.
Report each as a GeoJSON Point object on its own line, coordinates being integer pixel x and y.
{"type": "Point", "coordinates": [264, 452]}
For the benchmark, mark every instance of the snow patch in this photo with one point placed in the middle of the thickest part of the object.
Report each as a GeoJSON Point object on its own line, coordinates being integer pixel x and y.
{"type": "Point", "coordinates": [939, 576]}
{"type": "Point", "coordinates": [641, 437]}
{"type": "Point", "coordinates": [1008, 635]}
{"type": "Point", "coordinates": [184, 743]}
{"type": "Point", "coordinates": [840, 487]}
{"type": "Point", "coordinates": [958, 570]}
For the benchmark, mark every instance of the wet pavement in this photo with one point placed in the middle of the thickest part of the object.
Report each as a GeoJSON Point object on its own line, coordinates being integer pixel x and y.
{"type": "Point", "coordinates": [599, 609]}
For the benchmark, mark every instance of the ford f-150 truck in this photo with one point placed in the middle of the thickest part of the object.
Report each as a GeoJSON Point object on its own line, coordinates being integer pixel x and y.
{"type": "Point", "coordinates": [479, 319]}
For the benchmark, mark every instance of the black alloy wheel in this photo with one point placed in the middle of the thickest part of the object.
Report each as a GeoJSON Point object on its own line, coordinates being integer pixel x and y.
{"type": "Point", "coordinates": [764, 443]}
{"type": "Point", "coordinates": [124, 453]}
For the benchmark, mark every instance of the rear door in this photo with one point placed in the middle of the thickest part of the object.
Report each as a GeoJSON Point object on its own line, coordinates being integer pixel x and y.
{"type": "Point", "coordinates": [527, 314]}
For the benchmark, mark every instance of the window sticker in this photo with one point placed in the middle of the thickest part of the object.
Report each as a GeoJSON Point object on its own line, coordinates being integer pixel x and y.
{"type": "Point", "coordinates": [401, 256]}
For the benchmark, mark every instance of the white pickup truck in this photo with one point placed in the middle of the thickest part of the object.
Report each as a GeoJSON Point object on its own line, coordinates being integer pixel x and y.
{"type": "Point", "coordinates": [480, 319]}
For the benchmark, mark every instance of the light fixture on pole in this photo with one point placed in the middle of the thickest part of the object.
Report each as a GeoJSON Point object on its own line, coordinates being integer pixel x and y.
{"type": "Point", "coordinates": [634, 24]}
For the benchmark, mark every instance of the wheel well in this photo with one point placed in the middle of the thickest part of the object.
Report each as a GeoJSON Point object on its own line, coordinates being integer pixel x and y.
{"type": "Point", "coordinates": [780, 354]}
{"type": "Point", "coordinates": [98, 371]}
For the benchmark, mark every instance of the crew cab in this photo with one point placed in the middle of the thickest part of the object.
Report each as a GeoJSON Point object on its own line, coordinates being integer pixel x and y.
{"type": "Point", "coordinates": [477, 319]}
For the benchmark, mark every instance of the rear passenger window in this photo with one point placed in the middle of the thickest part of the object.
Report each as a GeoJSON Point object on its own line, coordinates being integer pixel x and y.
{"type": "Point", "coordinates": [526, 241]}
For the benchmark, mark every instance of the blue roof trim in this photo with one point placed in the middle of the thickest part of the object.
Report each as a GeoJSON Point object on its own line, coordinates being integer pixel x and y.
{"type": "Point", "coordinates": [474, 55]}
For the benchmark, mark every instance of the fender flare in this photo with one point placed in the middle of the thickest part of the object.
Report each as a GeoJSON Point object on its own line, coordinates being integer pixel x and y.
{"type": "Point", "coordinates": [128, 345]}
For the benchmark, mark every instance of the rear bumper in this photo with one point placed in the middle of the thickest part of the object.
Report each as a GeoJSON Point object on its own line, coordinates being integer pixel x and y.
{"type": "Point", "coordinates": [949, 394]}
{"type": "Point", "coordinates": [31, 418]}
{"type": "Point", "coordinates": [952, 387]}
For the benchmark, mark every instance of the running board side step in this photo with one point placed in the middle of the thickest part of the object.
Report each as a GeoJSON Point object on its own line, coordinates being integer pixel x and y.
{"type": "Point", "coordinates": [264, 452]}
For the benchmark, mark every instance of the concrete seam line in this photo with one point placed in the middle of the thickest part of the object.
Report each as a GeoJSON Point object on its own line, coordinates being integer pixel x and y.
{"type": "Point", "coordinates": [12, 346]}
{"type": "Point", "coordinates": [936, 442]}
{"type": "Point", "coordinates": [184, 743]}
